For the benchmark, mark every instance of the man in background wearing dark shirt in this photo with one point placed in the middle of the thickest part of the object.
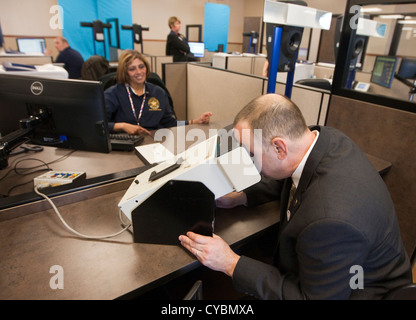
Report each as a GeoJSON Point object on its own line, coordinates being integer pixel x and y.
{"type": "Point", "coordinates": [71, 58]}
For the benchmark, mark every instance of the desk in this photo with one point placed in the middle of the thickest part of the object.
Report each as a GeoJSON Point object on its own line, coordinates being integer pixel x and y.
{"type": "Point", "coordinates": [98, 166]}
{"type": "Point", "coordinates": [34, 59]}
{"type": "Point", "coordinates": [32, 240]}
{"type": "Point", "coordinates": [30, 245]}
{"type": "Point", "coordinates": [42, 71]}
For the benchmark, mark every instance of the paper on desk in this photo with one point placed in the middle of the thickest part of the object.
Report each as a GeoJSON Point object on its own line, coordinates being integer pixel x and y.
{"type": "Point", "coordinates": [153, 153]}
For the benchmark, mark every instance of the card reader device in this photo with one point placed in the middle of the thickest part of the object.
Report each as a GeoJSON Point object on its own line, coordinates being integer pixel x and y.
{"type": "Point", "coordinates": [216, 167]}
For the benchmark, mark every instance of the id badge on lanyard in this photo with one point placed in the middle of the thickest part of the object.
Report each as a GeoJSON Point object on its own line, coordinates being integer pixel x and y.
{"type": "Point", "coordinates": [133, 109]}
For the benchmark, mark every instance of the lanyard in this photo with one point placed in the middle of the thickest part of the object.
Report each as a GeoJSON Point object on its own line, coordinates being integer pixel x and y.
{"type": "Point", "coordinates": [133, 109]}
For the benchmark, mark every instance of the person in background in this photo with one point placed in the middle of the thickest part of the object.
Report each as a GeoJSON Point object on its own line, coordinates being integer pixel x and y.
{"type": "Point", "coordinates": [71, 58]}
{"type": "Point", "coordinates": [177, 45]}
{"type": "Point", "coordinates": [135, 106]}
{"type": "Point", "coordinates": [94, 68]}
{"type": "Point", "coordinates": [338, 235]}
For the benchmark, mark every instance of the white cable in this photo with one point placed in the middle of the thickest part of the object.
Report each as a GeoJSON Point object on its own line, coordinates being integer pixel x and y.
{"type": "Point", "coordinates": [72, 230]}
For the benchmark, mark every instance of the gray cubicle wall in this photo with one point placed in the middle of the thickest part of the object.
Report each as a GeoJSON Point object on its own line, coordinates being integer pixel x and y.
{"type": "Point", "coordinates": [175, 77]}
{"type": "Point", "coordinates": [222, 92]}
{"type": "Point", "coordinates": [245, 63]}
{"type": "Point", "coordinates": [199, 88]}
{"type": "Point", "coordinates": [156, 63]}
{"type": "Point", "coordinates": [311, 101]}
{"type": "Point", "coordinates": [386, 133]}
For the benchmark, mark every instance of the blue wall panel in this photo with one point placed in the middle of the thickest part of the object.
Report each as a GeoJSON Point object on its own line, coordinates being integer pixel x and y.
{"type": "Point", "coordinates": [81, 38]}
{"type": "Point", "coordinates": [216, 22]}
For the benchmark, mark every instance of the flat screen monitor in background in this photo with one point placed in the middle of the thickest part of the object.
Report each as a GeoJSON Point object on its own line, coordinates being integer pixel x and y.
{"type": "Point", "coordinates": [73, 111]}
{"type": "Point", "coordinates": [197, 48]}
{"type": "Point", "coordinates": [407, 69]}
{"type": "Point", "coordinates": [384, 71]}
{"type": "Point", "coordinates": [1, 38]}
{"type": "Point", "coordinates": [31, 45]}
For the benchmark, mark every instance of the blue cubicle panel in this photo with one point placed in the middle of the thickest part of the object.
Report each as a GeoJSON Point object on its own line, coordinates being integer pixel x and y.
{"type": "Point", "coordinates": [122, 10]}
{"type": "Point", "coordinates": [81, 38]}
{"type": "Point", "coordinates": [216, 21]}
{"type": "Point", "coordinates": [75, 12]}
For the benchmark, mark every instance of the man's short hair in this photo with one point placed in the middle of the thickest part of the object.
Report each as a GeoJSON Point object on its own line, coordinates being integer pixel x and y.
{"type": "Point", "coordinates": [275, 115]}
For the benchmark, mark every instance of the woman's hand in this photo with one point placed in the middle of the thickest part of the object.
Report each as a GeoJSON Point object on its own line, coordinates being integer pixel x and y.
{"type": "Point", "coordinates": [203, 119]}
{"type": "Point", "coordinates": [128, 128]}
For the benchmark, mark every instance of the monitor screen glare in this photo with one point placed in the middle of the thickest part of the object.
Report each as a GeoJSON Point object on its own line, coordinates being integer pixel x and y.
{"type": "Point", "coordinates": [30, 46]}
{"type": "Point", "coordinates": [197, 48]}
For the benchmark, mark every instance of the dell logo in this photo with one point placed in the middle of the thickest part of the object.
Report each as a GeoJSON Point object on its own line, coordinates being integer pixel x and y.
{"type": "Point", "coordinates": [36, 88]}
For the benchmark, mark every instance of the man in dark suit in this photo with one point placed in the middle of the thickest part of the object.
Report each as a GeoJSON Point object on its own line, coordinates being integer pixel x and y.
{"type": "Point", "coordinates": [338, 237]}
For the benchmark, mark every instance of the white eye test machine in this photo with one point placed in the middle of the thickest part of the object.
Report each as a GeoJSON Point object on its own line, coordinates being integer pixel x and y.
{"type": "Point", "coordinates": [178, 195]}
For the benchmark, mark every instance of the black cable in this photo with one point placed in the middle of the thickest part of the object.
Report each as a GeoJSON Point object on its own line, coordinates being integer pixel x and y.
{"type": "Point", "coordinates": [22, 171]}
{"type": "Point", "coordinates": [27, 149]}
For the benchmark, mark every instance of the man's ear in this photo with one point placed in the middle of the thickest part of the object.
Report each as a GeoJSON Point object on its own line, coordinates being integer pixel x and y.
{"type": "Point", "coordinates": [280, 148]}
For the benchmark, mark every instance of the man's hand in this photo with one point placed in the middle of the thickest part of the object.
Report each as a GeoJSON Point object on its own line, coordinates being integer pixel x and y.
{"type": "Point", "coordinates": [213, 252]}
{"type": "Point", "coordinates": [231, 200]}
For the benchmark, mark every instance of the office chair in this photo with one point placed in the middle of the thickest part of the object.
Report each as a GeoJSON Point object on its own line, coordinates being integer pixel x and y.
{"type": "Point", "coordinates": [155, 79]}
{"type": "Point", "coordinates": [108, 80]}
{"type": "Point", "coordinates": [195, 293]}
{"type": "Point", "coordinates": [406, 292]}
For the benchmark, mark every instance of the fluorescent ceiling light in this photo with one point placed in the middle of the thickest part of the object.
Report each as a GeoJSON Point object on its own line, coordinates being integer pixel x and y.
{"type": "Point", "coordinates": [371, 10]}
{"type": "Point", "coordinates": [391, 16]}
{"type": "Point", "coordinates": [407, 22]}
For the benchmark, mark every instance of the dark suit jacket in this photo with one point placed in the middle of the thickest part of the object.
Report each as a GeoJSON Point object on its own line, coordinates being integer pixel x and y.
{"type": "Point", "coordinates": [342, 216]}
{"type": "Point", "coordinates": [178, 47]}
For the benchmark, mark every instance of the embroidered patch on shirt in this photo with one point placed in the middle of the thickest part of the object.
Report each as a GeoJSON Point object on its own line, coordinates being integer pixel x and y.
{"type": "Point", "coordinates": [154, 104]}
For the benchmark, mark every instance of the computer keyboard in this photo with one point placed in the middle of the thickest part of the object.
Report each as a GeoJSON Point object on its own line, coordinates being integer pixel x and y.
{"type": "Point", "coordinates": [125, 142]}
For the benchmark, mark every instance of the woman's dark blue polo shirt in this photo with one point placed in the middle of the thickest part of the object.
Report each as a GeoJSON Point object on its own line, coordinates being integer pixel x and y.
{"type": "Point", "coordinates": [156, 114]}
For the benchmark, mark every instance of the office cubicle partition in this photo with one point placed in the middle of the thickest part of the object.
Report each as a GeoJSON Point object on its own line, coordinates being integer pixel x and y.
{"type": "Point", "coordinates": [385, 133]}
{"type": "Point", "coordinates": [156, 62]}
{"type": "Point", "coordinates": [224, 93]}
{"type": "Point", "coordinates": [199, 88]}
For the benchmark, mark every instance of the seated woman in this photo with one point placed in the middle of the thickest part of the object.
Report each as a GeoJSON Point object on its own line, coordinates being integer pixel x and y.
{"type": "Point", "coordinates": [135, 106]}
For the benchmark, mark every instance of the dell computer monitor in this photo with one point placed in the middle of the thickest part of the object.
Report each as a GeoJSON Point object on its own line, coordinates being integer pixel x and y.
{"type": "Point", "coordinates": [407, 68]}
{"type": "Point", "coordinates": [197, 48]}
{"type": "Point", "coordinates": [73, 111]}
{"type": "Point", "coordinates": [31, 45]}
{"type": "Point", "coordinates": [384, 71]}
